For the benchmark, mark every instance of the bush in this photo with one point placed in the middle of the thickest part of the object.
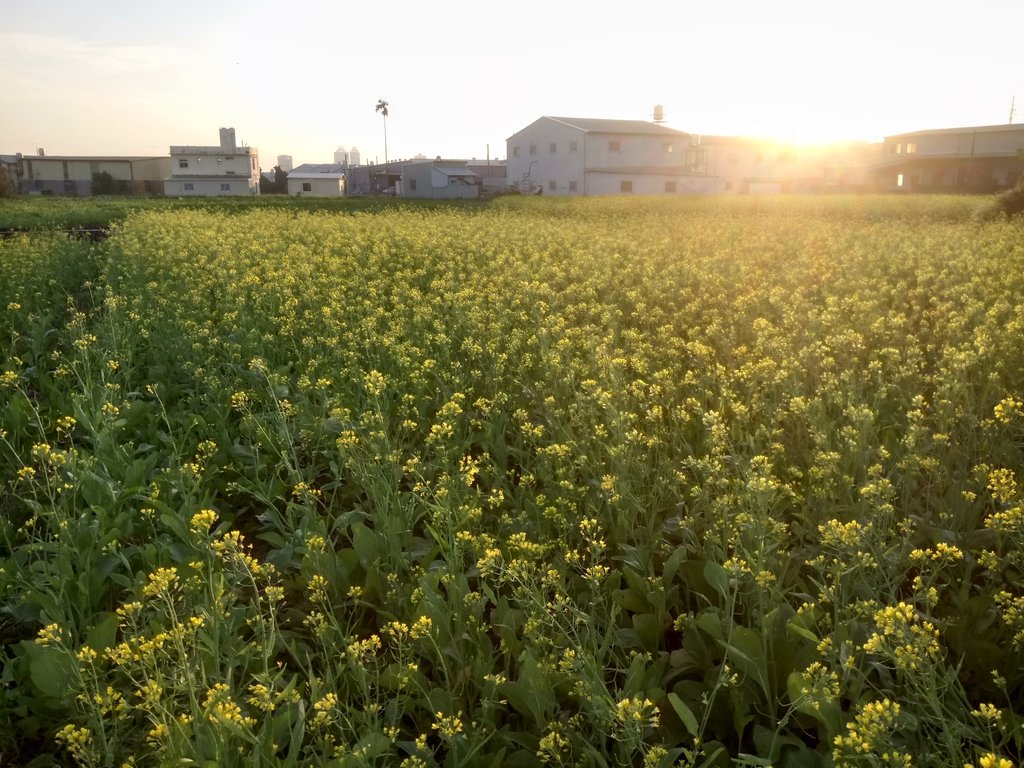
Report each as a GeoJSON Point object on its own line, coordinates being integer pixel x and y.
{"type": "Point", "coordinates": [7, 188]}
{"type": "Point", "coordinates": [1011, 203]}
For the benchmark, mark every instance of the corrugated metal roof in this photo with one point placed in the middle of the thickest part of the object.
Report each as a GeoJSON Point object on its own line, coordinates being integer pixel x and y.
{"type": "Point", "coordinates": [597, 125]}
{"type": "Point", "coordinates": [318, 168]}
{"type": "Point", "coordinates": [92, 159]}
{"type": "Point", "coordinates": [316, 175]}
{"type": "Point", "coordinates": [968, 129]}
{"type": "Point", "coordinates": [454, 170]}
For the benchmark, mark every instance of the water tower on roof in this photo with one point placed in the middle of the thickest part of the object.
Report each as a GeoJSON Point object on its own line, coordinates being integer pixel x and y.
{"type": "Point", "coordinates": [659, 113]}
{"type": "Point", "coordinates": [227, 139]}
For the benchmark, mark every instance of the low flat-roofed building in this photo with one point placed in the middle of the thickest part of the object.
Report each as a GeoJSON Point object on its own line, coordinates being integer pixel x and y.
{"type": "Point", "coordinates": [317, 179]}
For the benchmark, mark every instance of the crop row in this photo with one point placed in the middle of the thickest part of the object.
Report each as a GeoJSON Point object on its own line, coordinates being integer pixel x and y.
{"type": "Point", "coordinates": [589, 482]}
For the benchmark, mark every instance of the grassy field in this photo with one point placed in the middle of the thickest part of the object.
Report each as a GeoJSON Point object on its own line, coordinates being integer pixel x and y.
{"type": "Point", "coordinates": [601, 482]}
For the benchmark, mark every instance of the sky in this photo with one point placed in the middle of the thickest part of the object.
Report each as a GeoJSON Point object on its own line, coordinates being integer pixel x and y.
{"type": "Point", "coordinates": [124, 77]}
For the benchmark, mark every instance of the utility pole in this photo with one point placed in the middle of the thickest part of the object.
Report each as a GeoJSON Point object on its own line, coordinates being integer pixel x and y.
{"type": "Point", "coordinates": [1013, 110]}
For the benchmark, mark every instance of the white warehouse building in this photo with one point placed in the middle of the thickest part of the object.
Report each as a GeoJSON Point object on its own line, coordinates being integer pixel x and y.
{"type": "Point", "coordinates": [586, 156]}
{"type": "Point", "coordinates": [226, 169]}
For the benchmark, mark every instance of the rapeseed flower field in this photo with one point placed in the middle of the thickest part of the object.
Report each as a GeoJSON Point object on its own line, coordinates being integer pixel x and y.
{"type": "Point", "coordinates": [621, 482]}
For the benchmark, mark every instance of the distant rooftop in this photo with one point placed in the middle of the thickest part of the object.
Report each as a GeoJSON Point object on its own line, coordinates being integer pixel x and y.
{"type": "Point", "coordinates": [318, 168]}
{"type": "Point", "coordinates": [597, 125]}
{"type": "Point", "coordinates": [190, 149]}
{"type": "Point", "coordinates": [968, 129]}
{"type": "Point", "coordinates": [86, 158]}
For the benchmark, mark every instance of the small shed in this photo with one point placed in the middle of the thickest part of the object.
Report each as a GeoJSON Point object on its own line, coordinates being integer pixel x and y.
{"type": "Point", "coordinates": [440, 180]}
{"type": "Point", "coordinates": [317, 179]}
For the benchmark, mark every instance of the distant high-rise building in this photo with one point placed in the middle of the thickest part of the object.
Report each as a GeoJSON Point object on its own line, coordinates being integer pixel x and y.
{"type": "Point", "coordinates": [284, 162]}
{"type": "Point", "coordinates": [353, 156]}
{"type": "Point", "coordinates": [340, 156]}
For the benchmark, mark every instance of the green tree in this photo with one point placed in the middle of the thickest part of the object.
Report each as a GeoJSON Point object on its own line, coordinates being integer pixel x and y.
{"type": "Point", "coordinates": [103, 184]}
{"type": "Point", "coordinates": [280, 180]}
{"type": "Point", "coordinates": [6, 184]}
{"type": "Point", "coordinates": [382, 107]}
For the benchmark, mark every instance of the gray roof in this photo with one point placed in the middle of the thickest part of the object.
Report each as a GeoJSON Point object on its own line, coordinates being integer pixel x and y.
{"type": "Point", "coordinates": [94, 158]}
{"type": "Point", "coordinates": [310, 175]}
{"type": "Point", "coordinates": [597, 125]}
{"type": "Point", "coordinates": [453, 169]}
{"type": "Point", "coordinates": [318, 168]}
{"type": "Point", "coordinates": [618, 127]}
{"type": "Point", "coordinates": [969, 129]}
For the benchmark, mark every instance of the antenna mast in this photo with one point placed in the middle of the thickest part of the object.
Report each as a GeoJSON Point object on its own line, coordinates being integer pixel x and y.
{"type": "Point", "coordinates": [1013, 110]}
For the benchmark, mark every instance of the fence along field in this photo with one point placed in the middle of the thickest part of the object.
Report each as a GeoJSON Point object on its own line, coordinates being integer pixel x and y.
{"type": "Point", "coordinates": [599, 482]}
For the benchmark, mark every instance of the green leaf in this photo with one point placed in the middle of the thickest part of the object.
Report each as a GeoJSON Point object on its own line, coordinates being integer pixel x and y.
{"type": "Point", "coordinates": [744, 759]}
{"type": "Point", "coordinates": [648, 630]}
{"type": "Point", "coordinates": [794, 627]}
{"type": "Point", "coordinates": [685, 714]}
{"type": "Point", "coordinates": [51, 671]}
{"type": "Point", "coordinates": [104, 633]}
{"type": "Point", "coordinates": [672, 566]}
{"type": "Point", "coordinates": [718, 577]}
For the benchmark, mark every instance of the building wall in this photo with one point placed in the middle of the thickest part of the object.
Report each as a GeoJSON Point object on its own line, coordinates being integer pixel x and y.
{"type": "Point", "coordinates": [560, 159]}
{"type": "Point", "coordinates": [607, 150]}
{"type": "Point", "coordinates": [965, 142]}
{"type": "Point", "coordinates": [494, 177]}
{"type": "Point", "coordinates": [978, 160]}
{"type": "Point", "coordinates": [149, 174]}
{"type": "Point", "coordinates": [417, 179]}
{"type": "Point", "coordinates": [423, 181]}
{"type": "Point", "coordinates": [196, 187]}
{"type": "Point", "coordinates": [74, 176]}
{"type": "Point", "coordinates": [213, 163]}
{"type": "Point", "coordinates": [603, 183]}
{"type": "Point", "coordinates": [531, 161]}
{"type": "Point", "coordinates": [327, 187]}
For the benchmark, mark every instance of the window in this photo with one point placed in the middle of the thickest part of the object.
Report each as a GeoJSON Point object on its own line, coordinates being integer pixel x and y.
{"type": "Point", "coordinates": [899, 179]}
{"type": "Point", "coordinates": [574, 146]}
{"type": "Point", "coordinates": [183, 162]}
{"type": "Point", "coordinates": [899, 149]}
{"type": "Point", "coordinates": [307, 186]}
{"type": "Point", "coordinates": [670, 186]}
{"type": "Point", "coordinates": [552, 147]}
{"type": "Point", "coordinates": [515, 151]}
{"type": "Point", "coordinates": [225, 187]}
{"type": "Point", "coordinates": [667, 146]}
{"type": "Point", "coordinates": [551, 186]}
{"type": "Point", "coordinates": [220, 160]}
{"type": "Point", "coordinates": [533, 149]}
{"type": "Point", "coordinates": [189, 186]}
{"type": "Point", "coordinates": [625, 186]}
{"type": "Point", "coordinates": [412, 183]}
{"type": "Point", "coordinates": [572, 186]}
{"type": "Point", "coordinates": [911, 147]}
{"type": "Point", "coordinates": [613, 146]}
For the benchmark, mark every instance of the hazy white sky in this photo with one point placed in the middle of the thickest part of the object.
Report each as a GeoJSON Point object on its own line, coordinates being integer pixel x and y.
{"type": "Point", "coordinates": [302, 77]}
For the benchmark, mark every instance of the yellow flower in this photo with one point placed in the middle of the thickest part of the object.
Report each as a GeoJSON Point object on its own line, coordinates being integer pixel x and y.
{"type": "Point", "coordinates": [202, 520]}
{"type": "Point", "coordinates": [448, 726]}
{"type": "Point", "coordinates": [49, 635]}
{"type": "Point", "coordinates": [161, 581]}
